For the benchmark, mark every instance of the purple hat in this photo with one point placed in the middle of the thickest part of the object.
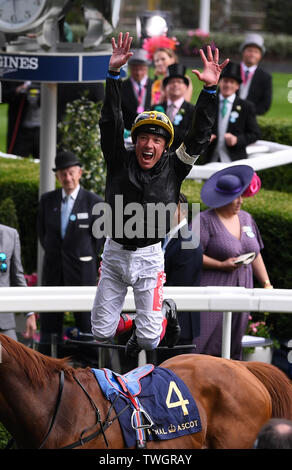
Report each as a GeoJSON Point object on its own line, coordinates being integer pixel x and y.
{"type": "Point", "coordinates": [226, 185]}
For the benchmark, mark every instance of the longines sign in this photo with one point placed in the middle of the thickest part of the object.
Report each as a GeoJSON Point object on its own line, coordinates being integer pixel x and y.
{"type": "Point", "coordinates": [85, 67]}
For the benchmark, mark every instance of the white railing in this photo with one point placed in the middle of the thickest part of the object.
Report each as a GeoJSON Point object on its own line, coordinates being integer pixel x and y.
{"type": "Point", "coordinates": [262, 155]}
{"type": "Point", "coordinates": [204, 299]}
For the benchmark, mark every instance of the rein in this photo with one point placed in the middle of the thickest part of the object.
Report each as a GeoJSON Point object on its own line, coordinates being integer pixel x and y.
{"type": "Point", "coordinates": [83, 440]}
{"type": "Point", "coordinates": [103, 426]}
{"type": "Point", "coordinates": [59, 398]}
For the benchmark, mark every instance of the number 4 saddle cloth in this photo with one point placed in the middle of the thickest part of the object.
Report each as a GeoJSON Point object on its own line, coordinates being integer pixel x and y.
{"type": "Point", "coordinates": [161, 405]}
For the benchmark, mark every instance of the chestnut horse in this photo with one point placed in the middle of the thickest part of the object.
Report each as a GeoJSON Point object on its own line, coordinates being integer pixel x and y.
{"type": "Point", "coordinates": [234, 400]}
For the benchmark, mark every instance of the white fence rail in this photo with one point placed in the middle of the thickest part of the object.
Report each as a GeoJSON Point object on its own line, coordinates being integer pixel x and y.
{"type": "Point", "coordinates": [205, 299]}
{"type": "Point", "coordinates": [262, 155]}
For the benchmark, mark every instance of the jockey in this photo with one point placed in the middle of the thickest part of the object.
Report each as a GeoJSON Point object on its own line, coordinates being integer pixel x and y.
{"type": "Point", "coordinates": [137, 180]}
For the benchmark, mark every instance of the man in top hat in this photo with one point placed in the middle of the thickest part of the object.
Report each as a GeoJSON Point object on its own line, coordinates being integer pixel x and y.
{"type": "Point", "coordinates": [71, 251]}
{"type": "Point", "coordinates": [256, 83]}
{"type": "Point", "coordinates": [235, 126]}
{"type": "Point", "coordinates": [136, 89]}
{"type": "Point", "coordinates": [179, 111]}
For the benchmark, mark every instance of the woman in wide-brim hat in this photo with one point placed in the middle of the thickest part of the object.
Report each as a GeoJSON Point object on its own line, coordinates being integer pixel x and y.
{"type": "Point", "coordinates": [227, 232]}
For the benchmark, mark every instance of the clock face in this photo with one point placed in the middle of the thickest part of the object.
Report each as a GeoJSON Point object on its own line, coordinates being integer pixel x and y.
{"type": "Point", "coordinates": [17, 15]}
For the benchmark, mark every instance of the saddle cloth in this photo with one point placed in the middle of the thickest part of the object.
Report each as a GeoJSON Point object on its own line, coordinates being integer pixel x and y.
{"type": "Point", "coordinates": [162, 394]}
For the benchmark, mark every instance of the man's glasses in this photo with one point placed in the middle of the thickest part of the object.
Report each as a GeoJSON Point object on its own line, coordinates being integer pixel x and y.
{"type": "Point", "coordinates": [3, 263]}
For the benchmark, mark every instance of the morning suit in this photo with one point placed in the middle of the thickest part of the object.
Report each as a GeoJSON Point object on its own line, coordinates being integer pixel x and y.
{"type": "Point", "coordinates": [260, 91]}
{"type": "Point", "coordinates": [72, 261]}
{"type": "Point", "coordinates": [181, 123]}
{"type": "Point", "coordinates": [243, 124]}
{"type": "Point", "coordinates": [14, 276]}
{"type": "Point", "coordinates": [130, 101]}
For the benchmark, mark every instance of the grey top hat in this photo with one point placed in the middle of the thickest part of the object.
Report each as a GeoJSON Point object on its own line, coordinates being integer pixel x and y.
{"type": "Point", "coordinates": [65, 159]}
{"type": "Point", "coordinates": [140, 56]}
{"type": "Point", "coordinates": [253, 39]}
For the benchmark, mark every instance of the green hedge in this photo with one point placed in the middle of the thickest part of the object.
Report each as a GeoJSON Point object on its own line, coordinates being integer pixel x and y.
{"type": "Point", "coordinates": [19, 181]}
{"type": "Point", "coordinates": [280, 131]}
{"type": "Point", "coordinates": [276, 130]}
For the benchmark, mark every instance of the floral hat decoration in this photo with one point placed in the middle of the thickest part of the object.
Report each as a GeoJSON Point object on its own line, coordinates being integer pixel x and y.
{"type": "Point", "coordinates": [254, 186]}
{"type": "Point", "coordinates": [156, 42]}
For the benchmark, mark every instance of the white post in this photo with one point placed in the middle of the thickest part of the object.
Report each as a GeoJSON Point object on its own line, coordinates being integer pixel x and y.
{"type": "Point", "coordinates": [48, 143]}
{"type": "Point", "coordinates": [204, 18]}
{"type": "Point", "coordinates": [226, 335]}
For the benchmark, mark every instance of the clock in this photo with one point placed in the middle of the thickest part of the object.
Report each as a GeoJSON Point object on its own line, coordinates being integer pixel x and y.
{"type": "Point", "coordinates": [24, 15]}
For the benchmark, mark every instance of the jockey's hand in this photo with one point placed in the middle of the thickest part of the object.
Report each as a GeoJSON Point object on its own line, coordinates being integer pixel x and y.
{"type": "Point", "coordinates": [211, 68]}
{"type": "Point", "coordinates": [121, 51]}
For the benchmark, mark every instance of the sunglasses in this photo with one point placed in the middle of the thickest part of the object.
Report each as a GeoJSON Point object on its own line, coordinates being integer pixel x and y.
{"type": "Point", "coordinates": [3, 264]}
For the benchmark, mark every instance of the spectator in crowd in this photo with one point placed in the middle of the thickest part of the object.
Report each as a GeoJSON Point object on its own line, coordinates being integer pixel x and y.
{"type": "Point", "coordinates": [227, 232]}
{"type": "Point", "coordinates": [71, 250]}
{"type": "Point", "coordinates": [23, 128]}
{"type": "Point", "coordinates": [143, 176]}
{"type": "Point", "coordinates": [163, 57]}
{"type": "Point", "coordinates": [236, 125]}
{"type": "Point", "coordinates": [136, 89]}
{"type": "Point", "coordinates": [24, 118]}
{"type": "Point", "coordinates": [275, 434]}
{"type": "Point", "coordinates": [256, 83]}
{"type": "Point", "coordinates": [179, 111]}
{"type": "Point", "coordinates": [183, 265]}
{"type": "Point", "coordinates": [12, 275]}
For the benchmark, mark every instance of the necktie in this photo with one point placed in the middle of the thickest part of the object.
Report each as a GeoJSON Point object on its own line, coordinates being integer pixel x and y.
{"type": "Point", "coordinates": [246, 75]}
{"type": "Point", "coordinates": [224, 107]}
{"type": "Point", "coordinates": [171, 111]}
{"type": "Point", "coordinates": [139, 89]}
{"type": "Point", "coordinates": [165, 242]}
{"type": "Point", "coordinates": [65, 213]}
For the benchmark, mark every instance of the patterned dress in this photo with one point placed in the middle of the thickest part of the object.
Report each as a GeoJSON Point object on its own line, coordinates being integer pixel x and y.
{"type": "Point", "coordinates": [217, 242]}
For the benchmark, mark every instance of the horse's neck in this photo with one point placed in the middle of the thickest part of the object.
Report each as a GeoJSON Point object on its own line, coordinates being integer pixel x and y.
{"type": "Point", "coordinates": [22, 405]}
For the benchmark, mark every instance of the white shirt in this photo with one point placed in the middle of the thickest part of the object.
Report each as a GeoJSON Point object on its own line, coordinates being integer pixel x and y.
{"type": "Point", "coordinates": [245, 85]}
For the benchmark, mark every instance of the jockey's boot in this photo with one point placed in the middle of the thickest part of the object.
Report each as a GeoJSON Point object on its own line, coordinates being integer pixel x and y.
{"type": "Point", "coordinates": [173, 329]}
{"type": "Point", "coordinates": [132, 348]}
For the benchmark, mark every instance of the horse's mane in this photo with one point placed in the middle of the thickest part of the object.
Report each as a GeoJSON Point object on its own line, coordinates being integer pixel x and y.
{"type": "Point", "coordinates": [36, 366]}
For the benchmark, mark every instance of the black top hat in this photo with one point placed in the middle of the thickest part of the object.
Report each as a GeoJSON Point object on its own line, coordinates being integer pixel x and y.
{"type": "Point", "coordinates": [65, 159]}
{"type": "Point", "coordinates": [232, 70]}
{"type": "Point", "coordinates": [176, 71]}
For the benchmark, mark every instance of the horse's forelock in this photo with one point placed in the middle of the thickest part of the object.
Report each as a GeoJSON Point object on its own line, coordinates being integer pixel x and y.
{"type": "Point", "coordinates": [36, 366]}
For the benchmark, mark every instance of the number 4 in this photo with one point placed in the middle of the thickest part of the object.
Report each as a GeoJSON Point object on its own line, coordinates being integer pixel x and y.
{"type": "Point", "coordinates": [181, 402]}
